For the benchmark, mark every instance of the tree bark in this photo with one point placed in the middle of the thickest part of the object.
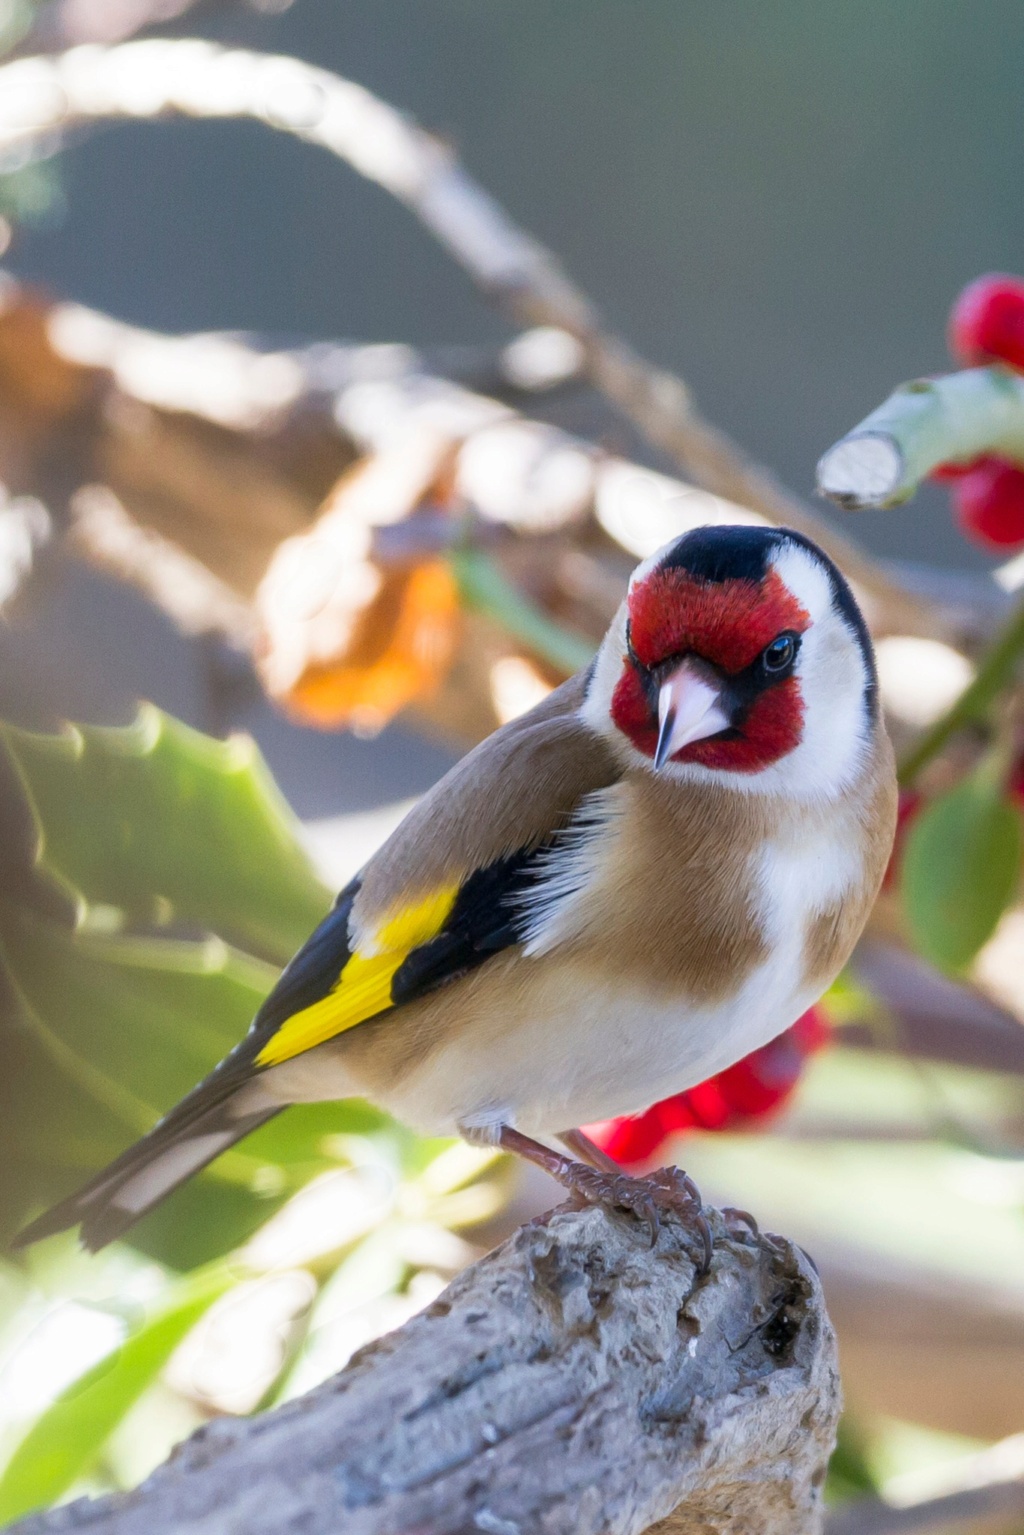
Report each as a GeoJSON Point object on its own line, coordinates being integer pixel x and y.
{"type": "Point", "coordinates": [576, 1381]}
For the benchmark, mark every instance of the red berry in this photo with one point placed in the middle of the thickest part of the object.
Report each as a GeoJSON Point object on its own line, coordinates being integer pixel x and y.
{"type": "Point", "coordinates": [989, 502]}
{"type": "Point", "coordinates": [987, 321]}
{"type": "Point", "coordinates": [632, 1140]}
{"type": "Point", "coordinates": [740, 1095]}
{"type": "Point", "coordinates": [953, 471]}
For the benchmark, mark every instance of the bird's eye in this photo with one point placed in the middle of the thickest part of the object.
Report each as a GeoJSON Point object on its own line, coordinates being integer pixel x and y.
{"type": "Point", "coordinates": [777, 656]}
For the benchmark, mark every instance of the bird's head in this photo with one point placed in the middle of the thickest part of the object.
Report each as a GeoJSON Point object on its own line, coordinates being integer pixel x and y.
{"type": "Point", "coordinates": [739, 655]}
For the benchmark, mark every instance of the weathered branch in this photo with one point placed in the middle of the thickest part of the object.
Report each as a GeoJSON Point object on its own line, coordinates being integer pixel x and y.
{"type": "Point", "coordinates": [574, 1382]}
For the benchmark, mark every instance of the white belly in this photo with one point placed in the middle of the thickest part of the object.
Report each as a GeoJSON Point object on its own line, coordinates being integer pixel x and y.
{"type": "Point", "coordinates": [552, 1043]}
{"type": "Point", "coordinates": [609, 1051]}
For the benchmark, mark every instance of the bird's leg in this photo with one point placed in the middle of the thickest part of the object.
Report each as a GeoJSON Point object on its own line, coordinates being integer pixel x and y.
{"type": "Point", "coordinates": [586, 1150]}
{"type": "Point", "coordinates": [667, 1190]}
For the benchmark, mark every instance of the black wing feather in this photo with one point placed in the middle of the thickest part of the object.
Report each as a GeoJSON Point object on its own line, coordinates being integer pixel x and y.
{"type": "Point", "coordinates": [486, 917]}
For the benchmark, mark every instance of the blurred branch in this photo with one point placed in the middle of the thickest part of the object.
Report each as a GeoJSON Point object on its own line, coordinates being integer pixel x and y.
{"type": "Point", "coordinates": [191, 465]}
{"type": "Point", "coordinates": [61, 24]}
{"type": "Point", "coordinates": [575, 1380]}
{"type": "Point", "coordinates": [950, 1514]}
{"type": "Point", "coordinates": [41, 98]}
{"type": "Point", "coordinates": [932, 421]}
{"type": "Point", "coordinates": [936, 1017]}
{"type": "Point", "coordinates": [196, 600]}
{"type": "Point", "coordinates": [225, 454]}
{"type": "Point", "coordinates": [996, 668]}
{"type": "Point", "coordinates": [908, 1328]}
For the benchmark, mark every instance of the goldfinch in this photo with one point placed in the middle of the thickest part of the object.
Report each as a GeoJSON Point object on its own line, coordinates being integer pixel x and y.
{"type": "Point", "coordinates": [650, 874]}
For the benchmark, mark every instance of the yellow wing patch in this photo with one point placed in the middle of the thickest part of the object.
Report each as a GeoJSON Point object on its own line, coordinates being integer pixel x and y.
{"type": "Point", "coordinates": [363, 988]}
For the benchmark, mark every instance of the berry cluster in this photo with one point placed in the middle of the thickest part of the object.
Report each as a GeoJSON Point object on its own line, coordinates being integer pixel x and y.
{"type": "Point", "coordinates": [987, 325]}
{"type": "Point", "coordinates": [737, 1097]}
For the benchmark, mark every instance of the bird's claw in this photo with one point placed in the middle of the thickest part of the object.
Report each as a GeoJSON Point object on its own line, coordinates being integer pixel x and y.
{"type": "Point", "coordinates": [734, 1218]}
{"type": "Point", "coordinates": [667, 1191]}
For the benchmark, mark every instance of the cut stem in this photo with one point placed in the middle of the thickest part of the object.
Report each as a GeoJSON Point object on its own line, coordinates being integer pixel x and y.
{"type": "Point", "coordinates": [949, 420]}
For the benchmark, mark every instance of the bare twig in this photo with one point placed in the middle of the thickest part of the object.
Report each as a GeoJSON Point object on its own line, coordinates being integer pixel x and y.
{"type": "Point", "coordinates": [929, 422]}
{"type": "Point", "coordinates": [936, 1018]}
{"type": "Point", "coordinates": [575, 1381]}
{"type": "Point", "coordinates": [41, 98]}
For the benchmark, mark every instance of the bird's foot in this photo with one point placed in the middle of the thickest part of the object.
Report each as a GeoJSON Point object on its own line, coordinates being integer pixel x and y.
{"type": "Point", "coordinates": [669, 1191]}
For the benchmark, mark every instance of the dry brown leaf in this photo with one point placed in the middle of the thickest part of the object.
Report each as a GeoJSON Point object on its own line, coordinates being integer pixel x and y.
{"type": "Point", "coordinates": [398, 651]}
{"type": "Point", "coordinates": [347, 640]}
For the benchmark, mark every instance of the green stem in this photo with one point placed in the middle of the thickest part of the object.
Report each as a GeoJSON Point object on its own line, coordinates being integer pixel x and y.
{"type": "Point", "coordinates": [994, 672]}
{"type": "Point", "coordinates": [482, 586]}
{"type": "Point", "coordinates": [931, 421]}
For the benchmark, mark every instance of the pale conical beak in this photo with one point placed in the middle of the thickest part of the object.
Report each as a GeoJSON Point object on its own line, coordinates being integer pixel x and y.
{"type": "Point", "coordinates": [689, 709]}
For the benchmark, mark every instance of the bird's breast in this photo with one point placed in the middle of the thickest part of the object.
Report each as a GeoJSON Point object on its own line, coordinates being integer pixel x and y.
{"type": "Point", "coordinates": [670, 940]}
{"type": "Point", "coordinates": [662, 882]}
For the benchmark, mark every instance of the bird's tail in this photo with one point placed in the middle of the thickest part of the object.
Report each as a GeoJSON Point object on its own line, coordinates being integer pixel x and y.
{"type": "Point", "coordinates": [198, 1129]}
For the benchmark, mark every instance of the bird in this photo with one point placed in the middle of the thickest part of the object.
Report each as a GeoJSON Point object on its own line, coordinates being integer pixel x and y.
{"type": "Point", "coordinates": [651, 873]}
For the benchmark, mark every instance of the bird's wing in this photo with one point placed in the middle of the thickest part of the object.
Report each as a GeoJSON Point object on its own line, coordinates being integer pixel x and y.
{"type": "Point", "coordinates": [441, 896]}
{"type": "Point", "coordinates": [445, 892]}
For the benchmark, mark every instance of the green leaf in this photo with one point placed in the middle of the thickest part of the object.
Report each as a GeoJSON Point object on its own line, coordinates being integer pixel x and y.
{"type": "Point", "coordinates": [960, 869]}
{"type": "Point", "coordinates": [159, 821]}
{"type": "Point", "coordinates": [101, 1034]}
{"type": "Point", "coordinates": [66, 1438]}
{"type": "Point", "coordinates": [849, 1470]}
{"type": "Point", "coordinates": [151, 1016]}
{"type": "Point", "coordinates": [108, 1035]}
{"type": "Point", "coordinates": [111, 1033]}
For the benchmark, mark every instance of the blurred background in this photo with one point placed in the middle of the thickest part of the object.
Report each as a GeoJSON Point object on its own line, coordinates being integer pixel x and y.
{"type": "Point", "coordinates": [777, 204]}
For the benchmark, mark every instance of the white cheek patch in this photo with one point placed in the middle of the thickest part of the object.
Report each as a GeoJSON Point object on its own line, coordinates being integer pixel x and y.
{"type": "Point", "coordinates": [595, 710]}
{"type": "Point", "coordinates": [833, 678]}
{"type": "Point", "coordinates": [805, 578]}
